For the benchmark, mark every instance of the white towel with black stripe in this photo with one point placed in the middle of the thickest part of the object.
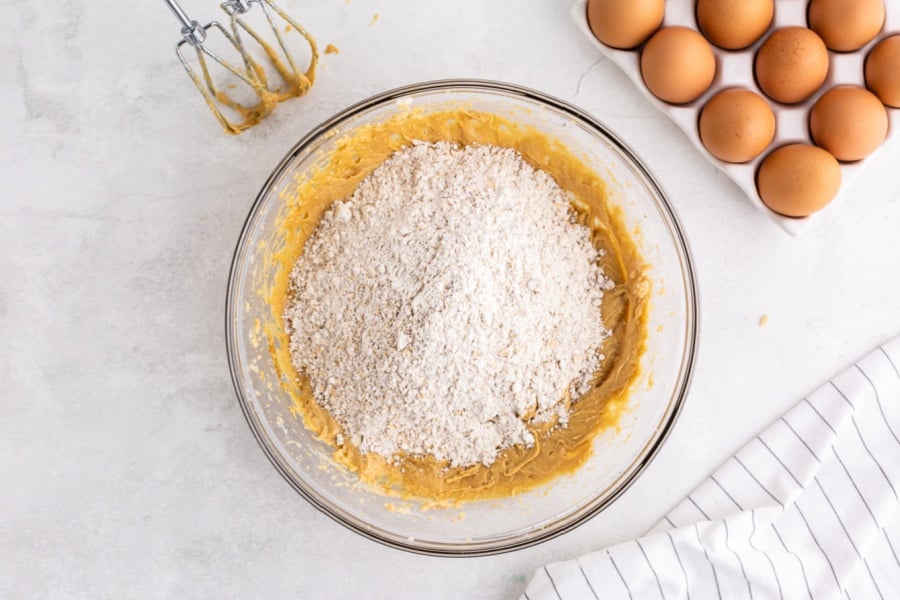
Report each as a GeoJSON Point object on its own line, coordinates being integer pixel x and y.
{"type": "Point", "coordinates": [807, 509]}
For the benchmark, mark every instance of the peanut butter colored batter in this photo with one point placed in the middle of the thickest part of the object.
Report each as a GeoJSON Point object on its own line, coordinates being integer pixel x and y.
{"type": "Point", "coordinates": [557, 450]}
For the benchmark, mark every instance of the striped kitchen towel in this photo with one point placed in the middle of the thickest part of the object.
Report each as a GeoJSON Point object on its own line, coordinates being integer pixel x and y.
{"type": "Point", "coordinates": [807, 509]}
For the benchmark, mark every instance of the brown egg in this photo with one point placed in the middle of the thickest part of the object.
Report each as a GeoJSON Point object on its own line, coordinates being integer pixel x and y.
{"type": "Point", "coordinates": [625, 24]}
{"type": "Point", "coordinates": [737, 125]}
{"type": "Point", "coordinates": [848, 121]}
{"type": "Point", "coordinates": [846, 25]}
{"type": "Point", "coordinates": [798, 180]}
{"type": "Point", "coordinates": [678, 65]}
{"type": "Point", "coordinates": [734, 24]}
{"type": "Point", "coordinates": [883, 71]}
{"type": "Point", "coordinates": [791, 65]}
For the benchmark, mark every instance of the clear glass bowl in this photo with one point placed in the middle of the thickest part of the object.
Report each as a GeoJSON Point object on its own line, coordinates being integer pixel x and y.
{"type": "Point", "coordinates": [619, 456]}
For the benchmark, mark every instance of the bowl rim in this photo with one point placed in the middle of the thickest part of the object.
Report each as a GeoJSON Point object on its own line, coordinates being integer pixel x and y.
{"type": "Point", "coordinates": [682, 385]}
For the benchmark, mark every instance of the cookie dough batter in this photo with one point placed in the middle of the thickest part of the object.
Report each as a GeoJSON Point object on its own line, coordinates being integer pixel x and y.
{"type": "Point", "coordinates": [557, 450]}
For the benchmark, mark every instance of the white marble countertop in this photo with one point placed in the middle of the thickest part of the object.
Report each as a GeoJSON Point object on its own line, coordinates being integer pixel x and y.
{"type": "Point", "coordinates": [126, 467]}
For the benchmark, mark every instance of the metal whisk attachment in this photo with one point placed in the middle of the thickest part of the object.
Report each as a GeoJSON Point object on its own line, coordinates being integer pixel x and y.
{"type": "Point", "coordinates": [297, 82]}
{"type": "Point", "coordinates": [250, 72]}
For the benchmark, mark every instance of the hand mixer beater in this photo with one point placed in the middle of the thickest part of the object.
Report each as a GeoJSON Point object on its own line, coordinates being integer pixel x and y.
{"type": "Point", "coordinates": [248, 73]}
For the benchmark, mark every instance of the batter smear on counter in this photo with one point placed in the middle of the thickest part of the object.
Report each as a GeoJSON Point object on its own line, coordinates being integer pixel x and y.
{"type": "Point", "coordinates": [452, 300]}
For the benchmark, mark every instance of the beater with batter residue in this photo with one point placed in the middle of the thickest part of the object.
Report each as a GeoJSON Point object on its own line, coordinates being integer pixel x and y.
{"type": "Point", "coordinates": [294, 81]}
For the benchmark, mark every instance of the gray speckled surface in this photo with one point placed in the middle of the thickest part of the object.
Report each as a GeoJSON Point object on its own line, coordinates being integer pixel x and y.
{"type": "Point", "coordinates": [126, 468]}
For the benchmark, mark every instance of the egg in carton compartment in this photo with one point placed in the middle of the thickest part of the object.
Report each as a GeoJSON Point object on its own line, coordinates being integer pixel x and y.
{"type": "Point", "coordinates": [735, 69]}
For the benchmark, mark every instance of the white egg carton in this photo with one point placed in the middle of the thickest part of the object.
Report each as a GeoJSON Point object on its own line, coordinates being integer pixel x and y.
{"type": "Point", "coordinates": [735, 69]}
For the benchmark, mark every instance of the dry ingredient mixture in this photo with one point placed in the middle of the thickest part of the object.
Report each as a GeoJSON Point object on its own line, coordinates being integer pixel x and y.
{"type": "Point", "coordinates": [448, 303]}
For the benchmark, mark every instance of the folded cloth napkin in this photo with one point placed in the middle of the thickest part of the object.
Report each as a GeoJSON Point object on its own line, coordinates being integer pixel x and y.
{"type": "Point", "coordinates": [807, 509]}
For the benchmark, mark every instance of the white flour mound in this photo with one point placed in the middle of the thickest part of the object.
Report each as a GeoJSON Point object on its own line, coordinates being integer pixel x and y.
{"type": "Point", "coordinates": [448, 301]}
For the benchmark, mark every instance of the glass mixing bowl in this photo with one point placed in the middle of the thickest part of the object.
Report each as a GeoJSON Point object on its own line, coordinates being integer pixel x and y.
{"type": "Point", "coordinates": [620, 454]}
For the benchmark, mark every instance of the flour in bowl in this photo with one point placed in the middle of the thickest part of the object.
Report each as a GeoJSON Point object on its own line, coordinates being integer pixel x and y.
{"type": "Point", "coordinates": [448, 302]}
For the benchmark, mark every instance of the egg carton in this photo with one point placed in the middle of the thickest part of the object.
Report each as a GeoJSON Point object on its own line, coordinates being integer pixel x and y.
{"type": "Point", "coordinates": [735, 69]}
